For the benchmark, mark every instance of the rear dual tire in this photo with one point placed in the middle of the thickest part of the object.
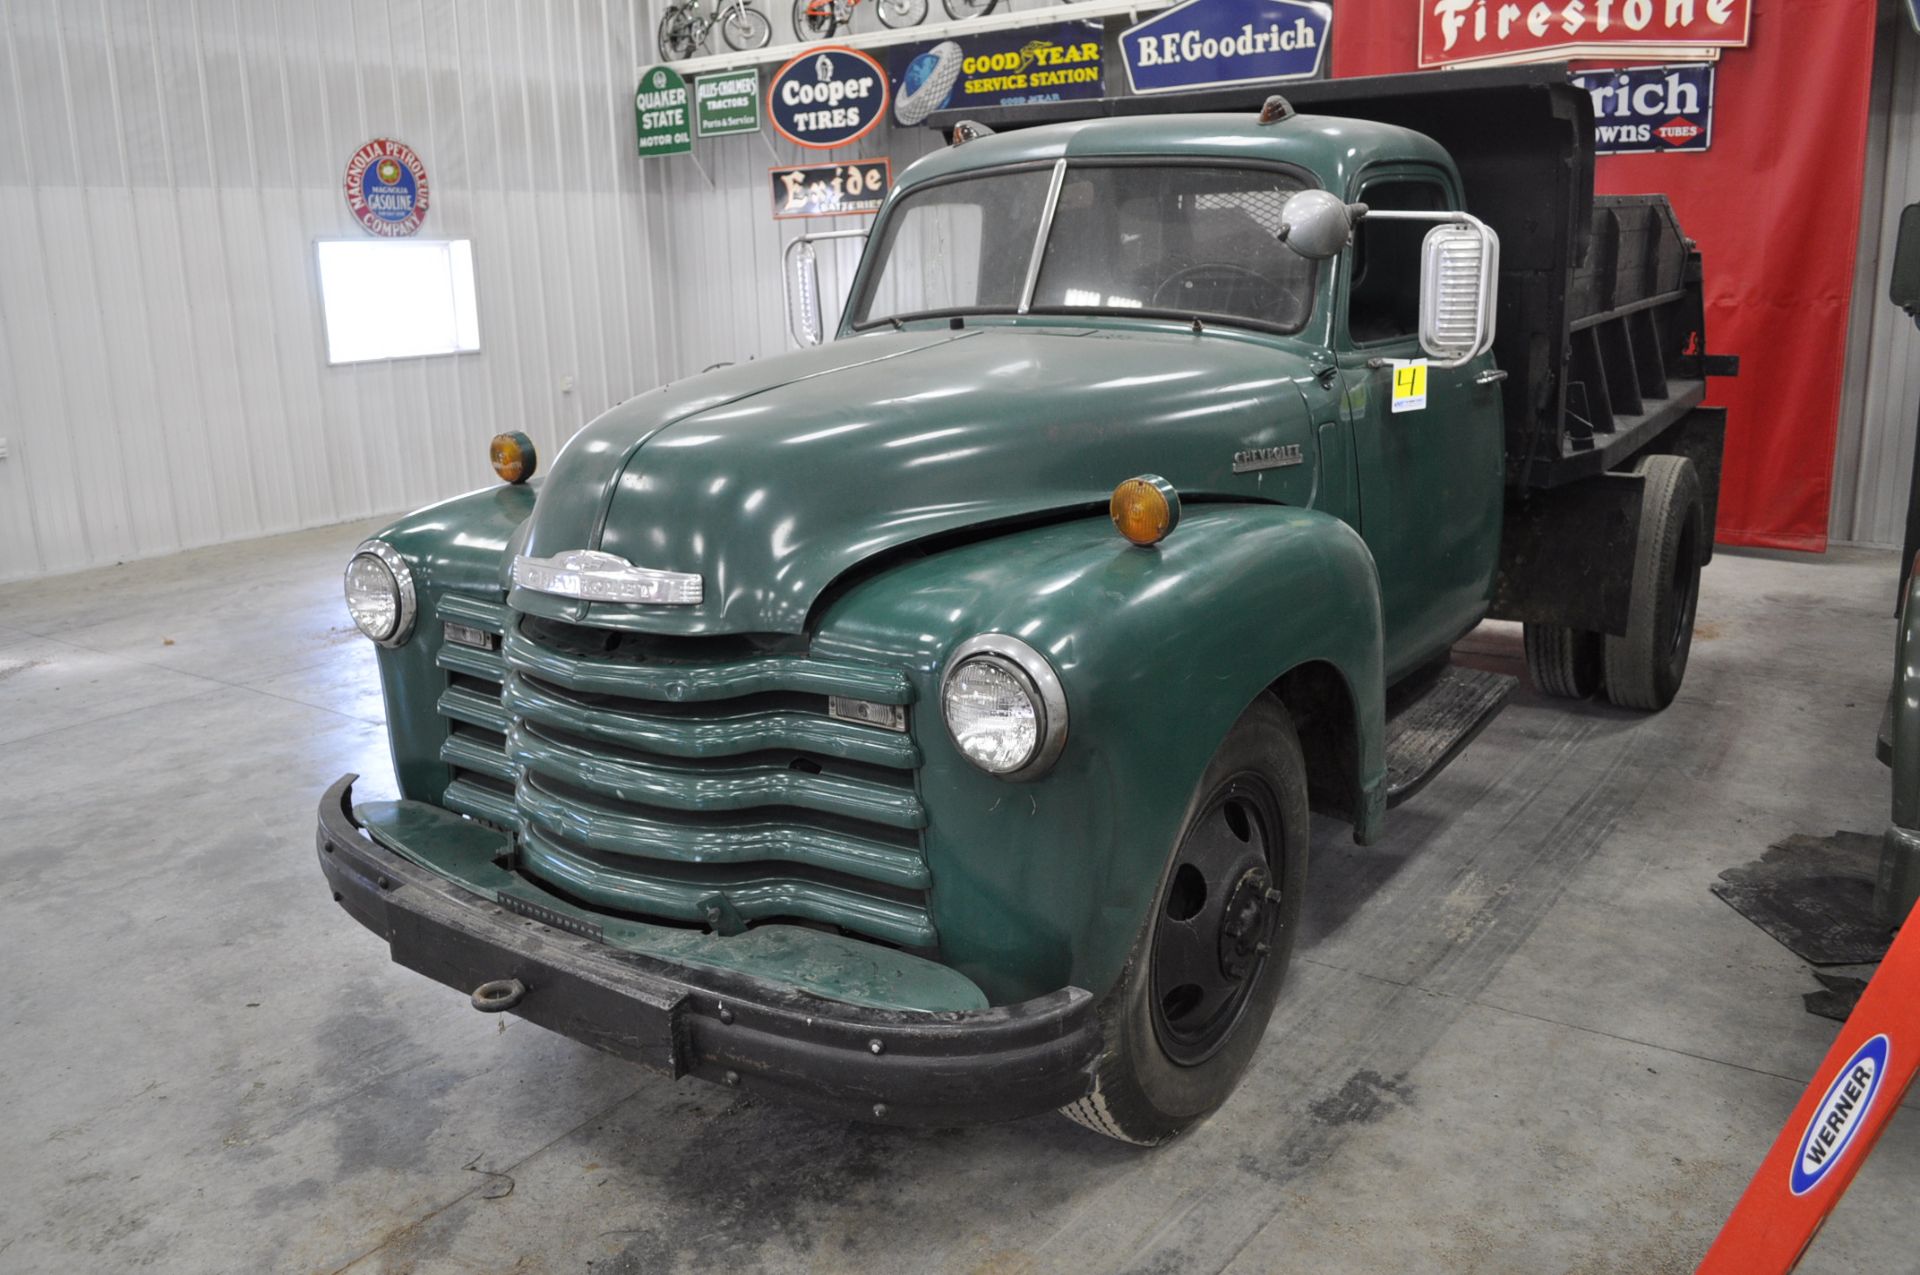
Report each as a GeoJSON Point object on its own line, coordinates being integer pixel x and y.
{"type": "Point", "coordinates": [1643, 667]}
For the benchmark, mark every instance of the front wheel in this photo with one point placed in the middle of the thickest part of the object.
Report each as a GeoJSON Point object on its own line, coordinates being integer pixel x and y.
{"type": "Point", "coordinates": [816, 19]}
{"type": "Point", "coordinates": [743, 29]}
{"type": "Point", "coordinates": [901, 13]}
{"type": "Point", "coordinates": [960, 10]}
{"type": "Point", "coordinates": [1644, 667]}
{"type": "Point", "coordinates": [1182, 1022]}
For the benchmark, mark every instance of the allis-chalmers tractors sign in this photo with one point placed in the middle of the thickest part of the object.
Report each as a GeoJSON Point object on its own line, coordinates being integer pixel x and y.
{"type": "Point", "coordinates": [1487, 31]}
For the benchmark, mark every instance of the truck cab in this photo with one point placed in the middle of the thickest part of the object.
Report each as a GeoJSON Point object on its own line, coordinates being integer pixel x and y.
{"type": "Point", "coordinates": [924, 725]}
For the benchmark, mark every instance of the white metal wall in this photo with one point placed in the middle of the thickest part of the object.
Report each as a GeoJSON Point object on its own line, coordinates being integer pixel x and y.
{"type": "Point", "coordinates": [164, 168]}
{"type": "Point", "coordinates": [1874, 456]}
{"type": "Point", "coordinates": [723, 277]}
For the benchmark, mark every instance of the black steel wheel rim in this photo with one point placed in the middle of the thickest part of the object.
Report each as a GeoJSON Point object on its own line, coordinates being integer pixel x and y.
{"type": "Point", "coordinates": [1217, 920]}
{"type": "Point", "coordinates": [1684, 588]}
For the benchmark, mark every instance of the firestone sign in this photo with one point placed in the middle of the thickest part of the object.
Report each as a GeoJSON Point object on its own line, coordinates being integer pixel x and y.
{"type": "Point", "coordinates": [1208, 43]}
{"type": "Point", "coordinates": [1454, 31]}
{"type": "Point", "coordinates": [387, 188]}
{"type": "Point", "coordinates": [828, 96]}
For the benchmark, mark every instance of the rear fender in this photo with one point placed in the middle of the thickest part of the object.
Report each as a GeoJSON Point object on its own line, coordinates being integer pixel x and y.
{"type": "Point", "coordinates": [1045, 883]}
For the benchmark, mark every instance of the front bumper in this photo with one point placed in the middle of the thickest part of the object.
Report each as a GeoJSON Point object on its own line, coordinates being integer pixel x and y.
{"type": "Point", "coordinates": [851, 1061]}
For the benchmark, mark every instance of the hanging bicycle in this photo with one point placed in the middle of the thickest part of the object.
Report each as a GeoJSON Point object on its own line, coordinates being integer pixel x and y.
{"type": "Point", "coordinates": [684, 28]}
{"type": "Point", "coordinates": [820, 19]}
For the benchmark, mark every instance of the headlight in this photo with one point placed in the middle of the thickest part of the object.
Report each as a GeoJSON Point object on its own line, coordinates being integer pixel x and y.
{"type": "Point", "coordinates": [380, 594]}
{"type": "Point", "coordinates": [1004, 706]}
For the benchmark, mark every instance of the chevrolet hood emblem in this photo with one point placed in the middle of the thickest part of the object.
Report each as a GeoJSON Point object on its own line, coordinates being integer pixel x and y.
{"type": "Point", "coordinates": [605, 577]}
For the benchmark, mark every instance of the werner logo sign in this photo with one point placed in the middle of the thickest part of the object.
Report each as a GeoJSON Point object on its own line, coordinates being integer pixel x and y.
{"type": "Point", "coordinates": [828, 96]}
{"type": "Point", "coordinates": [1207, 43]}
{"type": "Point", "coordinates": [1650, 108]}
{"type": "Point", "coordinates": [1453, 31]}
{"type": "Point", "coordinates": [1839, 1115]}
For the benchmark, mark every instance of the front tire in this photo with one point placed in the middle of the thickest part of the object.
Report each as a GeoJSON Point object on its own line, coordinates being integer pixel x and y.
{"type": "Point", "coordinates": [1182, 1022]}
{"type": "Point", "coordinates": [1644, 667]}
{"type": "Point", "coordinates": [960, 10]}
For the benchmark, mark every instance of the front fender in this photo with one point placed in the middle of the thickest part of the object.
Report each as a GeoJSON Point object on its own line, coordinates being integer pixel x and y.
{"type": "Point", "coordinates": [1044, 884]}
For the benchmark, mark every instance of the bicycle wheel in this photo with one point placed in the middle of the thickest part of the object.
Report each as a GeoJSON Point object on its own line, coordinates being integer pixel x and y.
{"type": "Point", "coordinates": [901, 13]}
{"type": "Point", "coordinates": [743, 28]}
{"type": "Point", "coordinates": [959, 10]}
{"type": "Point", "coordinates": [677, 38]}
{"type": "Point", "coordinates": [815, 19]}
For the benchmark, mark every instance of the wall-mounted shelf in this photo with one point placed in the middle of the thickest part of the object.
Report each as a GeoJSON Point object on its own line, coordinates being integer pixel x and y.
{"type": "Point", "coordinates": [1081, 11]}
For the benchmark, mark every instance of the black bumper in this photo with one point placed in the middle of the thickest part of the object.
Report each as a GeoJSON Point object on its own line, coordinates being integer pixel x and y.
{"type": "Point", "coordinates": [849, 1061]}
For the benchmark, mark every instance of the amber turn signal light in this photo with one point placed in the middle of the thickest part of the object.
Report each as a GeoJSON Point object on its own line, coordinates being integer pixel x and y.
{"type": "Point", "coordinates": [513, 457]}
{"type": "Point", "coordinates": [1145, 509]}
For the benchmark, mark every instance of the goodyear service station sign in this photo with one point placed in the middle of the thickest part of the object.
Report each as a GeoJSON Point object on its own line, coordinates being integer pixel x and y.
{"type": "Point", "coordinates": [828, 96]}
{"type": "Point", "coordinates": [998, 68]}
{"type": "Point", "coordinates": [1208, 43]}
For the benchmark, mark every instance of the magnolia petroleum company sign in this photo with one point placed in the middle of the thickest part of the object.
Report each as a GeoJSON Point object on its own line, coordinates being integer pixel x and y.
{"type": "Point", "coordinates": [387, 188]}
{"type": "Point", "coordinates": [828, 96]}
{"type": "Point", "coordinates": [1453, 31]}
{"type": "Point", "coordinates": [1208, 43]}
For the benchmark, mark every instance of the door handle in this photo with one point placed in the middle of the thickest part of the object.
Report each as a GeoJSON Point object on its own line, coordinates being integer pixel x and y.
{"type": "Point", "coordinates": [1492, 376]}
{"type": "Point", "coordinates": [1327, 376]}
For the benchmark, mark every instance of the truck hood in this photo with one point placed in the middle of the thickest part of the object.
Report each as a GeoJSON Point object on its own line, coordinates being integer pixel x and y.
{"type": "Point", "coordinates": [771, 479]}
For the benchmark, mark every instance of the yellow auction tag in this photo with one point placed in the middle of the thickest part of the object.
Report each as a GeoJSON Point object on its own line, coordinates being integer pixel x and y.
{"type": "Point", "coordinates": [1409, 385]}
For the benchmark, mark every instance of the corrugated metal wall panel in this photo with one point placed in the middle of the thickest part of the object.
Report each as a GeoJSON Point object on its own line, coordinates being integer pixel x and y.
{"type": "Point", "coordinates": [164, 171]}
{"type": "Point", "coordinates": [1874, 457]}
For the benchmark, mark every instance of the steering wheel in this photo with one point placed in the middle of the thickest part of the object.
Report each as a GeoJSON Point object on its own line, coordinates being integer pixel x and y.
{"type": "Point", "coordinates": [1268, 295]}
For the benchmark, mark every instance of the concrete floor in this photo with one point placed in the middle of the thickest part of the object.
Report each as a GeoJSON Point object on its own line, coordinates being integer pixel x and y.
{"type": "Point", "coordinates": [1522, 1036]}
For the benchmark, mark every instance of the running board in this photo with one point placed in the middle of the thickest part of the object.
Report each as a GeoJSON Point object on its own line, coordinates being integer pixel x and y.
{"type": "Point", "coordinates": [1428, 728]}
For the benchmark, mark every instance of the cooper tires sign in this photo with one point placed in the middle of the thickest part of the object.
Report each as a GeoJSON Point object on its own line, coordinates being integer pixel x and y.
{"type": "Point", "coordinates": [828, 96]}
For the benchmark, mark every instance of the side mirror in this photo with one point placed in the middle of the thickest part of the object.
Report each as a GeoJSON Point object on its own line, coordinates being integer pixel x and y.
{"type": "Point", "coordinates": [800, 285]}
{"type": "Point", "coordinates": [1318, 224]}
{"type": "Point", "coordinates": [801, 278]}
{"type": "Point", "coordinates": [1905, 288]}
{"type": "Point", "coordinates": [1459, 277]}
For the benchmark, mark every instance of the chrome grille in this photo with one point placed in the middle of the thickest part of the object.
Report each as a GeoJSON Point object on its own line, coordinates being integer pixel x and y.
{"type": "Point", "coordinates": [477, 722]}
{"type": "Point", "coordinates": [701, 780]}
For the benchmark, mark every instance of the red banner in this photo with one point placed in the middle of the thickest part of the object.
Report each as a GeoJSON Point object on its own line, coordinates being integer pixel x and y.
{"type": "Point", "coordinates": [1771, 206]}
{"type": "Point", "coordinates": [1453, 31]}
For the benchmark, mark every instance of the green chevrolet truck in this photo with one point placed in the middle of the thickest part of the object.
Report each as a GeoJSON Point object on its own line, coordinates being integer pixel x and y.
{"type": "Point", "coordinates": [923, 725]}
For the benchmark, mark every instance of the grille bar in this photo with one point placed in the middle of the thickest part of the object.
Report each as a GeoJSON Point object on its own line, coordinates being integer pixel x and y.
{"type": "Point", "coordinates": [711, 787]}
{"type": "Point", "coordinates": [681, 681]}
{"type": "Point", "coordinates": [708, 736]}
{"type": "Point", "coordinates": [631, 832]}
{"type": "Point", "coordinates": [753, 899]}
{"type": "Point", "coordinates": [474, 708]}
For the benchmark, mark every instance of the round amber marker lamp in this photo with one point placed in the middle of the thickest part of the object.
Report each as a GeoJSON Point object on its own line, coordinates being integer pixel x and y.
{"type": "Point", "coordinates": [513, 457]}
{"type": "Point", "coordinates": [1145, 509]}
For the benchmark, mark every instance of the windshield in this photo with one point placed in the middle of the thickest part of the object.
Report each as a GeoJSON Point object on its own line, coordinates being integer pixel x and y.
{"type": "Point", "coordinates": [1185, 240]}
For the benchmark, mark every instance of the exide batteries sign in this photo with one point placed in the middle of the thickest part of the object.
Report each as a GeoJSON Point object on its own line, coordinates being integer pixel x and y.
{"type": "Point", "coordinates": [1650, 108]}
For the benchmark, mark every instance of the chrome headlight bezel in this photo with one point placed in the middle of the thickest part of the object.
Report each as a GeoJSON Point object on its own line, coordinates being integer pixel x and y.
{"type": "Point", "coordinates": [408, 605]}
{"type": "Point", "coordinates": [1036, 679]}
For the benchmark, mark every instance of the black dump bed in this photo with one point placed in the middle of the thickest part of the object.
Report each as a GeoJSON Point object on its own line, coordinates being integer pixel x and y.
{"type": "Point", "coordinates": [1600, 324]}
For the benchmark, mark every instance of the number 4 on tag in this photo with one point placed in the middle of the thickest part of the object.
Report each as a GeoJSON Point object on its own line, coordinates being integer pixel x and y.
{"type": "Point", "coordinates": [1409, 385]}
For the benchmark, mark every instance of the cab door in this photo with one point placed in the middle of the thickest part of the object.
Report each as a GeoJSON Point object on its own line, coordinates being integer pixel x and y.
{"type": "Point", "coordinates": [1431, 476]}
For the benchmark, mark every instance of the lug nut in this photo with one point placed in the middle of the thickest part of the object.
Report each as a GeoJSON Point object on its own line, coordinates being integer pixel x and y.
{"type": "Point", "coordinates": [733, 1077]}
{"type": "Point", "coordinates": [726, 1015]}
{"type": "Point", "coordinates": [879, 1111]}
{"type": "Point", "coordinates": [874, 1046]}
